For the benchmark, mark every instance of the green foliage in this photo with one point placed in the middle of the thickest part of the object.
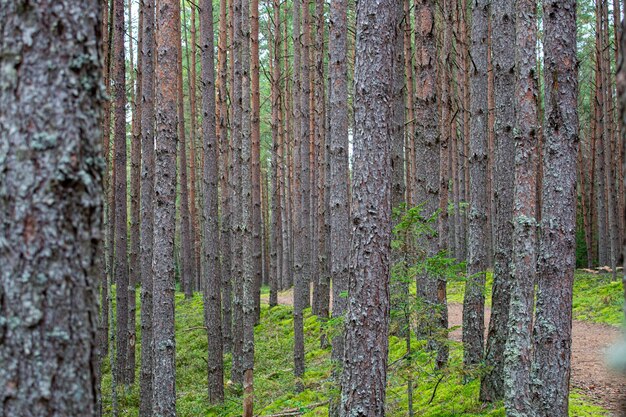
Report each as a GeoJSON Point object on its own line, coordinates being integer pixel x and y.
{"type": "Point", "coordinates": [598, 299]}
{"type": "Point", "coordinates": [436, 393]}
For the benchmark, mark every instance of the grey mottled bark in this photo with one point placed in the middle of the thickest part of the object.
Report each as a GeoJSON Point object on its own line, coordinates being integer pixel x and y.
{"type": "Point", "coordinates": [211, 272]}
{"type": "Point", "coordinates": [365, 368]}
{"type": "Point", "coordinates": [249, 267]}
{"type": "Point", "coordinates": [51, 207]}
{"type": "Point", "coordinates": [553, 318]}
{"type": "Point", "coordinates": [120, 205]}
{"type": "Point", "coordinates": [339, 207]}
{"type": "Point", "coordinates": [147, 207]}
{"type": "Point", "coordinates": [164, 371]}
{"type": "Point", "coordinates": [474, 301]}
{"type": "Point", "coordinates": [517, 355]}
{"type": "Point", "coordinates": [235, 200]}
{"type": "Point", "coordinates": [503, 36]}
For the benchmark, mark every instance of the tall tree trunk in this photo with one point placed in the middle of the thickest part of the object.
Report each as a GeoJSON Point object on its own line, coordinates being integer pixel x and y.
{"type": "Point", "coordinates": [211, 280]}
{"type": "Point", "coordinates": [257, 219]}
{"type": "Point", "coordinates": [121, 260]}
{"type": "Point", "coordinates": [340, 228]}
{"type": "Point", "coordinates": [553, 323]}
{"type": "Point", "coordinates": [409, 98]}
{"type": "Point", "coordinates": [51, 208]}
{"type": "Point", "coordinates": [225, 204]}
{"type": "Point", "coordinates": [147, 208]}
{"type": "Point", "coordinates": [600, 177]}
{"type": "Point", "coordinates": [474, 301]}
{"type": "Point", "coordinates": [236, 198]}
{"type": "Point", "coordinates": [365, 369]}
{"type": "Point", "coordinates": [106, 139]}
{"type": "Point", "coordinates": [503, 36]}
{"type": "Point", "coordinates": [164, 343]}
{"type": "Point", "coordinates": [517, 360]}
{"type": "Point", "coordinates": [276, 253]}
{"type": "Point", "coordinates": [135, 174]}
{"type": "Point", "coordinates": [427, 146]}
{"type": "Point", "coordinates": [193, 133]}
{"type": "Point", "coordinates": [248, 258]}
{"type": "Point", "coordinates": [187, 273]}
{"type": "Point", "coordinates": [301, 127]}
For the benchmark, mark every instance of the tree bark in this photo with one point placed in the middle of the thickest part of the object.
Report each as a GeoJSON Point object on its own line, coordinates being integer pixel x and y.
{"type": "Point", "coordinates": [340, 228]}
{"type": "Point", "coordinates": [474, 301]}
{"type": "Point", "coordinates": [211, 272]}
{"type": "Point", "coordinates": [503, 36]}
{"type": "Point", "coordinates": [556, 263]}
{"type": "Point", "coordinates": [225, 205]}
{"type": "Point", "coordinates": [187, 272]}
{"type": "Point", "coordinates": [367, 321]}
{"type": "Point", "coordinates": [135, 174]}
{"type": "Point", "coordinates": [164, 343]}
{"type": "Point", "coordinates": [517, 353]}
{"type": "Point", "coordinates": [427, 147]}
{"type": "Point", "coordinates": [51, 207]}
{"type": "Point", "coordinates": [120, 168]}
{"type": "Point", "coordinates": [147, 208]}
{"type": "Point", "coordinates": [257, 219]}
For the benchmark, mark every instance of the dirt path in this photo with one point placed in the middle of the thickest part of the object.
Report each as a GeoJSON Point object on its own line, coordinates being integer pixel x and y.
{"type": "Point", "coordinates": [590, 374]}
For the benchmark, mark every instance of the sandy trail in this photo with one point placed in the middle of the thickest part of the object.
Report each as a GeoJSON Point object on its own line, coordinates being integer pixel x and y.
{"type": "Point", "coordinates": [590, 374]}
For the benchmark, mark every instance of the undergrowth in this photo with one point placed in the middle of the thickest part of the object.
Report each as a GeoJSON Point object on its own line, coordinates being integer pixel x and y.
{"type": "Point", "coordinates": [435, 393]}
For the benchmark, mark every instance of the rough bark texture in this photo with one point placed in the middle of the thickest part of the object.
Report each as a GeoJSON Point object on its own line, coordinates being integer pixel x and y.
{"type": "Point", "coordinates": [517, 355]}
{"type": "Point", "coordinates": [365, 369]}
{"type": "Point", "coordinates": [211, 271]}
{"type": "Point", "coordinates": [187, 270]}
{"type": "Point", "coordinates": [503, 36]}
{"type": "Point", "coordinates": [164, 371]}
{"type": "Point", "coordinates": [147, 208]}
{"type": "Point", "coordinates": [300, 218]}
{"type": "Point", "coordinates": [248, 259]}
{"type": "Point", "coordinates": [474, 301]}
{"type": "Point", "coordinates": [340, 229]}
{"type": "Point", "coordinates": [225, 207]}
{"type": "Point", "coordinates": [427, 161]}
{"type": "Point", "coordinates": [51, 207]}
{"type": "Point", "coordinates": [556, 262]}
{"type": "Point", "coordinates": [135, 178]}
{"type": "Point", "coordinates": [276, 252]}
{"type": "Point", "coordinates": [257, 242]}
{"type": "Point", "coordinates": [120, 168]}
{"type": "Point", "coordinates": [235, 199]}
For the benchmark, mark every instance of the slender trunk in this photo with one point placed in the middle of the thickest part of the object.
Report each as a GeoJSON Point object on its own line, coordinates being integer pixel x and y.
{"type": "Point", "coordinates": [503, 36]}
{"type": "Point", "coordinates": [225, 204]}
{"type": "Point", "coordinates": [340, 229]}
{"type": "Point", "coordinates": [248, 258]}
{"type": "Point", "coordinates": [120, 168]}
{"type": "Point", "coordinates": [147, 208]}
{"type": "Point", "coordinates": [553, 322]}
{"type": "Point", "coordinates": [474, 301]}
{"type": "Point", "coordinates": [164, 342]}
{"type": "Point", "coordinates": [187, 272]}
{"type": "Point", "coordinates": [51, 207]}
{"type": "Point", "coordinates": [211, 280]}
{"type": "Point", "coordinates": [518, 348]}
{"type": "Point", "coordinates": [195, 234]}
{"type": "Point", "coordinates": [257, 219]}
{"type": "Point", "coordinates": [135, 174]}
{"type": "Point", "coordinates": [276, 229]}
{"type": "Point", "coordinates": [366, 337]}
{"type": "Point", "coordinates": [427, 148]}
{"type": "Point", "coordinates": [236, 198]}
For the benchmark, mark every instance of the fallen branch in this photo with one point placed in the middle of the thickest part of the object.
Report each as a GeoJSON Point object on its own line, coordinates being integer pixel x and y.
{"type": "Point", "coordinates": [195, 328]}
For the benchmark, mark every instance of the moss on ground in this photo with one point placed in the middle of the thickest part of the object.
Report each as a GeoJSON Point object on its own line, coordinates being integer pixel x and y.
{"type": "Point", "coordinates": [435, 394]}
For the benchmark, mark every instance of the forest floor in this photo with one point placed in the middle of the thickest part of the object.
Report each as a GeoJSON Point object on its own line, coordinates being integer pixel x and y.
{"type": "Point", "coordinates": [593, 332]}
{"type": "Point", "coordinates": [453, 392]}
